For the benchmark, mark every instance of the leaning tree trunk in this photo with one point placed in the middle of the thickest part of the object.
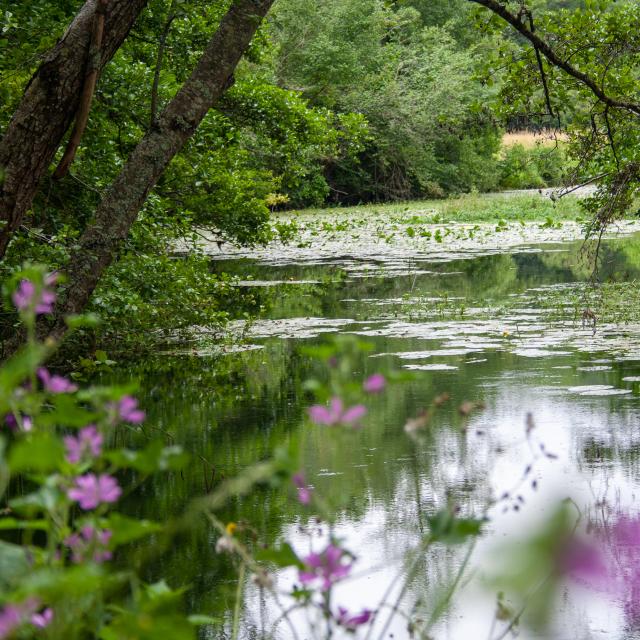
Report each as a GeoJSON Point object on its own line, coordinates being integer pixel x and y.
{"type": "Point", "coordinates": [49, 105]}
{"type": "Point", "coordinates": [177, 123]}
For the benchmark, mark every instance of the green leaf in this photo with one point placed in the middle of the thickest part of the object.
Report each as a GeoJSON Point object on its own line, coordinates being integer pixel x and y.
{"type": "Point", "coordinates": [141, 626]}
{"type": "Point", "coordinates": [17, 370]}
{"type": "Point", "coordinates": [68, 413]}
{"type": "Point", "coordinates": [284, 556]}
{"type": "Point", "coordinates": [88, 320]}
{"type": "Point", "coordinates": [198, 620]}
{"type": "Point", "coordinates": [44, 499]}
{"type": "Point", "coordinates": [446, 528]}
{"type": "Point", "coordinates": [127, 529]}
{"type": "Point", "coordinates": [156, 457]}
{"type": "Point", "coordinates": [40, 453]}
{"type": "Point", "coordinates": [160, 594]}
{"type": "Point", "coordinates": [8, 524]}
{"type": "Point", "coordinates": [14, 564]}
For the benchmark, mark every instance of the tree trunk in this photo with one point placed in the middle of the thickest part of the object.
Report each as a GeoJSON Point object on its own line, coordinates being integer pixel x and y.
{"type": "Point", "coordinates": [49, 105]}
{"type": "Point", "coordinates": [177, 123]}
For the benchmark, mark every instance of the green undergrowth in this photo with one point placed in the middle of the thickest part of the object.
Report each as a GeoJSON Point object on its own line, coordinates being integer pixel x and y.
{"type": "Point", "coordinates": [610, 303]}
{"type": "Point", "coordinates": [468, 208]}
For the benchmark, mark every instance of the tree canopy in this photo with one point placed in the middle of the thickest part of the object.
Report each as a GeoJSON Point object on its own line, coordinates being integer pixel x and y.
{"type": "Point", "coordinates": [337, 102]}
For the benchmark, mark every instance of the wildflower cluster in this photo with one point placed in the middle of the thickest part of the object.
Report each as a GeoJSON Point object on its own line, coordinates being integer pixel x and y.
{"type": "Point", "coordinates": [58, 440]}
{"type": "Point", "coordinates": [27, 614]}
{"type": "Point", "coordinates": [33, 298]}
{"type": "Point", "coordinates": [337, 414]}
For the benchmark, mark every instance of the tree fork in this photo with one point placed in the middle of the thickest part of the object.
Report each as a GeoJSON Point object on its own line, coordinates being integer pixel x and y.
{"type": "Point", "coordinates": [119, 209]}
{"type": "Point", "coordinates": [48, 106]}
{"type": "Point", "coordinates": [93, 69]}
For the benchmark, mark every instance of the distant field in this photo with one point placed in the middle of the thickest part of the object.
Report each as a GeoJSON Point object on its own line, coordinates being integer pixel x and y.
{"type": "Point", "coordinates": [528, 139]}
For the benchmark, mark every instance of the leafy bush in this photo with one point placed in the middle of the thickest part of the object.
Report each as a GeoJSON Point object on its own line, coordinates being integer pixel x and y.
{"type": "Point", "coordinates": [533, 168]}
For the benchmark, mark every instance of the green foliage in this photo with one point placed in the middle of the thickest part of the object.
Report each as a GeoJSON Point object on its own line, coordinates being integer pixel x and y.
{"type": "Point", "coordinates": [260, 141]}
{"type": "Point", "coordinates": [534, 168]}
{"type": "Point", "coordinates": [599, 38]}
{"type": "Point", "coordinates": [429, 134]}
{"type": "Point", "coordinates": [446, 527]}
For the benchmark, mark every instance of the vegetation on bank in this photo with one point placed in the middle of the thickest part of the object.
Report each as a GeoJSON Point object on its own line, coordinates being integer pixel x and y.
{"type": "Point", "coordinates": [491, 208]}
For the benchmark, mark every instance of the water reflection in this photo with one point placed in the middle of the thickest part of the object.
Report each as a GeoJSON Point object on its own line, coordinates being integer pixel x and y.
{"type": "Point", "coordinates": [582, 391]}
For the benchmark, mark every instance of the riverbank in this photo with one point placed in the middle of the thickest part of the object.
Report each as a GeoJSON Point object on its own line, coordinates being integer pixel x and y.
{"type": "Point", "coordinates": [370, 239]}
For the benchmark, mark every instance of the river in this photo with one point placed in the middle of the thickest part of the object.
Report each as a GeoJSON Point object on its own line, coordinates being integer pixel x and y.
{"type": "Point", "coordinates": [497, 322]}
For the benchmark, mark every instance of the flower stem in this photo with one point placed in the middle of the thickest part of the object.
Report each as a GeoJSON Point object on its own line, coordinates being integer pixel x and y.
{"type": "Point", "coordinates": [236, 610]}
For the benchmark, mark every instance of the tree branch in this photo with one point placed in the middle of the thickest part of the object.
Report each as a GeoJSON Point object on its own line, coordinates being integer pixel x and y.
{"type": "Point", "coordinates": [101, 241]}
{"type": "Point", "coordinates": [91, 78]}
{"type": "Point", "coordinates": [156, 75]}
{"type": "Point", "coordinates": [48, 105]}
{"type": "Point", "coordinates": [539, 44]}
{"type": "Point", "coordinates": [543, 75]}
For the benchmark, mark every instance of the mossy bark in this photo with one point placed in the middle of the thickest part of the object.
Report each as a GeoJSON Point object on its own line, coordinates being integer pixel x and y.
{"type": "Point", "coordinates": [49, 105]}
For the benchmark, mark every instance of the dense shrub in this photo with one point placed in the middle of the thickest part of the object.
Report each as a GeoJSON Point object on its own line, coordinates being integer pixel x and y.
{"type": "Point", "coordinates": [532, 168]}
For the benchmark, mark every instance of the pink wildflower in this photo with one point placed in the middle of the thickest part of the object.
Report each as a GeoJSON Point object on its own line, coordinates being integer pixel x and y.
{"type": "Point", "coordinates": [350, 621]}
{"type": "Point", "coordinates": [625, 564]}
{"type": "Point", "coordinates": [611, 564]}
{"type": "Point", "coordinates": [336, 414]}
{"type": "Point", "coordinates": [42, 619]}
{"type": "Point", "coordinates": [90, 490]}
{"type": "Point", "coordinates": [91, 543]}
{"type": "Point", "coordinates": [127, 410]}
{"type": "Point", "coordinates": [54, 383]}
{"type": "Point", "coordinates": [26, 423]}
{"type": "Point", "coordinates": [10, 620]}
{"type": "Point", "coordinates": [26, 297]}
{"type": "Point", "coordinates": [328, 567]}
{"type": "Point", "coordinates": [14, 616]}
{"type": "Point", "coordinates": [88, 443]}
{"type": "Point", "coordinates": [583, 562]}
{"type": "Point", "coordinates": [375, 383]}
{"type": "Point", "coordinates": [304, 491]}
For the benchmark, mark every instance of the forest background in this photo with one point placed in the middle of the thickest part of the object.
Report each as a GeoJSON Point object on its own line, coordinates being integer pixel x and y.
{"type": "Point", "coordinates": [339, 102]}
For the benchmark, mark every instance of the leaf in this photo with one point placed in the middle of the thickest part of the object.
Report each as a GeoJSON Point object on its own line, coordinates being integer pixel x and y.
{"type": "Point", "coordinates": [8, 524]}
{"type": "Point", "coordinates": [281, 557]}
{"type": "Point", "coordinates": [156, 457]}
{"type": "Point", "coordinates": [68, 413]}
{"type": "Point", "coordinates": [41, 452]}
{"type": "Point", "coordinates": [17, 370]}
{"type": "Point", "coordinates": [89, 320]}
{"type": "Point", "coordinates": [160, 594]}
{"type": "Point", "coordinates": [14, 564]}
{"type": "Point", "coordinates": [144, 626]}
{"type": "Point", "coordinates": [446, 528]}
{"type": "Point", "coordinates": [198, 620]}
{"type": "Point", "coordinates": [127, 529]}
{"type": "Point", "coordinates": [44, 499]}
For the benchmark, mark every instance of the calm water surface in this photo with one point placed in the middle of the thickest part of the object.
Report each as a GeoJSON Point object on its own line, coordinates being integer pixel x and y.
{"type": "Point", "coordinates": [506, 346]}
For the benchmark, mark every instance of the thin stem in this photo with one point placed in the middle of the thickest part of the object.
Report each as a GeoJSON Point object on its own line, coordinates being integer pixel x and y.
{"type": "Point", "coordinates": [236, 610]}
{"type": "Point", "coordinates": [437, 612]}
{"type": "Point", "coordinates": [156, 74]}
{"type": "Point", "coordinates": [424, 545]}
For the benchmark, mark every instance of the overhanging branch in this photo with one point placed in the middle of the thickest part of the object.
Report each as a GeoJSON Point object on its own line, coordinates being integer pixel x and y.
{"type": "Point", "coordinates": [543, 47]}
